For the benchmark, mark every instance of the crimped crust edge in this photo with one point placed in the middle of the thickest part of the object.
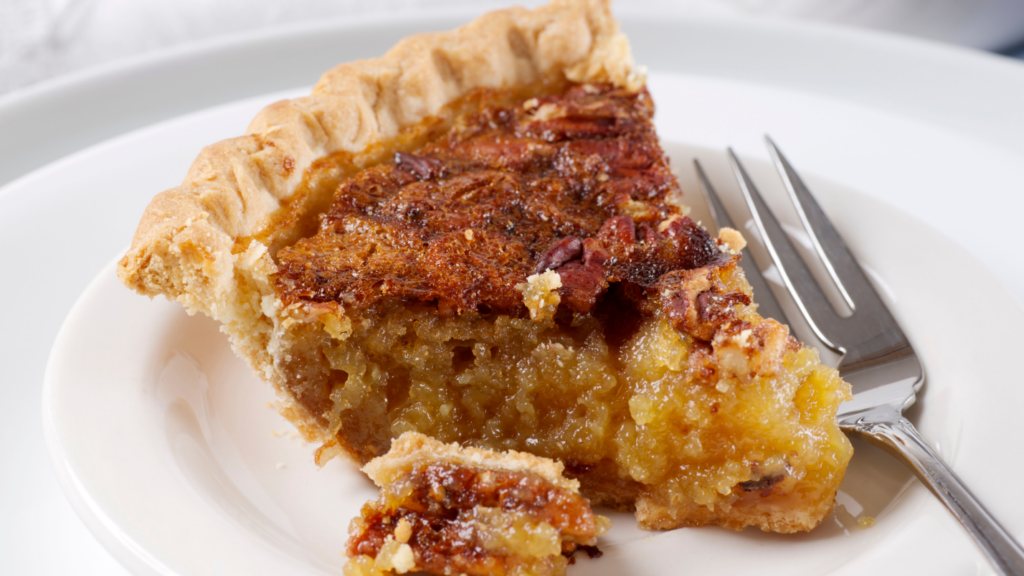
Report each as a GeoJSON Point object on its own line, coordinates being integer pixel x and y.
{"type": "Point", "coordinates": [186, 246]}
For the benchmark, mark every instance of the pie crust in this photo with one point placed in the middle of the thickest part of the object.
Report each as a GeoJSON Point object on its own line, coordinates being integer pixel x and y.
{"type": "Point", "coordinates": [212, 244]}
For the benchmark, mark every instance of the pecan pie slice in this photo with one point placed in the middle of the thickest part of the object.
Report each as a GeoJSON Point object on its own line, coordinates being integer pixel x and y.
{"type": "Point", "coordinates": [477, 237]}
{"type": "Point", "coordinates": [445, 509]}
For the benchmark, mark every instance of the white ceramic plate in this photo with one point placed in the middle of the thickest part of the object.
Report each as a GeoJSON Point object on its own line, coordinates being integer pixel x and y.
{"type": "Point", "coordinates": [53, 135]}
{"type": "Point", "coordinates": [163, 441]}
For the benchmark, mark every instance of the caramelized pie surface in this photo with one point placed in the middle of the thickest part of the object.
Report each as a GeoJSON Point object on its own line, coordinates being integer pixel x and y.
{"type": "Point", "coordinates": [575, 181]}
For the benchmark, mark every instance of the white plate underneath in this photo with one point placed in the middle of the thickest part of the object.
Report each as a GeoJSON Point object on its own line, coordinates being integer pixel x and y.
{"type": "Point", "coordinates": [166, 446]}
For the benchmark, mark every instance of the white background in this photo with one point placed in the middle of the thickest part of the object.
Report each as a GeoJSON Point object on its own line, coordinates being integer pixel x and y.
{"type": "Point", "coordinates": [41, 41]}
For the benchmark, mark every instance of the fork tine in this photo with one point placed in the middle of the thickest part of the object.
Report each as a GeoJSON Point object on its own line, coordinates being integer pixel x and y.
{"type": "Point", "coordinates": [828, 244]}
{"type": "Point", "coordinates": [795, 274]}
{"type": "Point", "coordinates": [767, 305]}
{"type": "Point", "coordinates": [871, 335]}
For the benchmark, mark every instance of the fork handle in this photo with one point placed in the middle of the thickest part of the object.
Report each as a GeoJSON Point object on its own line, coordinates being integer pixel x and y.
{"type": "Point", "coordinates": [888, 429]}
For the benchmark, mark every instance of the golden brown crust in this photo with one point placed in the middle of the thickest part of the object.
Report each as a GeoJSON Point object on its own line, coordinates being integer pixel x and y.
{"type": "Point", "coordinates": [413, 450]}
{"type": "Point", "coordinates": [655, 516]}
{"type": "Point", "coordinates": [187, 246]}
{"type": "Point", "coordinates": [182, 247]}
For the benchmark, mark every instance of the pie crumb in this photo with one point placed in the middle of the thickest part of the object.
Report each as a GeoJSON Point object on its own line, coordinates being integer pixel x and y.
{"type": "Point", "coordinates": [540, 294]}
{"type": "Point", "coordinates": [733, 239]}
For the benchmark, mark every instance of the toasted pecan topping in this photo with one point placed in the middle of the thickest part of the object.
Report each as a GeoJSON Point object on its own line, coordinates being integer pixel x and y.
{"type": "Point", "coordinates": [697, 303]}
{"type": "Point", "coordinates": [565, 250]}
{"type": "Point", "coordinates": [583, 189]}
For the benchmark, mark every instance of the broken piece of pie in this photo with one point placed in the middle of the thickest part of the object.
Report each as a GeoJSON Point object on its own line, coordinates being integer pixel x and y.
{"type": "Point", "coordinates": [445, 509]}
{"type": "Point", "coordinates": [477, 237]}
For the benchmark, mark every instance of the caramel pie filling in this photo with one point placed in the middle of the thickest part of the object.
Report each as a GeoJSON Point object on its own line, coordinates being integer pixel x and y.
{"type": "Point", "coordinates": [529, 280]}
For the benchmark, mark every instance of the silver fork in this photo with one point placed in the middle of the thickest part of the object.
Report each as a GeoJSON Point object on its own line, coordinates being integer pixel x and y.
{"type": "Point", "coordinates": [875, 356]}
